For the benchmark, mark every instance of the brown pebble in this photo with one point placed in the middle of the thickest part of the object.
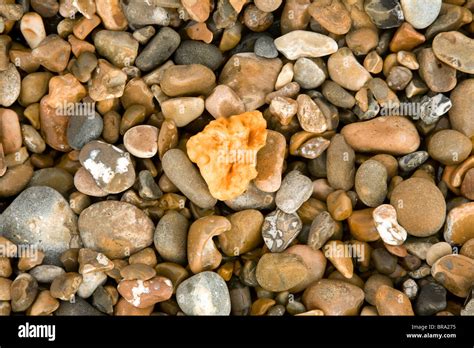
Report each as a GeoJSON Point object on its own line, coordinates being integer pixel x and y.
{"type": "Point", "coordinates": [390, 301]}
{"type": "Point", "coordinates": [143, 294]}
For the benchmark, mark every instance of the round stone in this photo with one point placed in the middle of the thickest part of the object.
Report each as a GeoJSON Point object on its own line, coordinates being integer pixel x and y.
{"type": "Point", "coordinates": [371, 183]}
{"type": "Point", "coordinates": [10, 85]}
{"type": "Point", "coordinates": [310, 73]}
{"type": "Point", "coordinates": [192, 79]}
{"type": "Point", "coordinates": [420, 205]}
{"type": "Point", "coordinates": [437, 251]}
{"type": "Point", "coordinates": [264, 47]}
{"type": "Point", "coordinates": [449, 147]}
{"type": "Point", "coordinates": [141, 141]}
{"type": "Point", "coordinates": [456, 50]}
{"type": "Point", "coordinates": [390, 301]}
{"type": "Point", "coordinates": [171, 237]}
{"type": "Point", "coordinates": [40, 216]}
{"type": "Point", "coordinates": [116, 229]}
{"type": "Point", "coordinates": [205, 293]}
{"type": "Point", "coordinates": [23, 292]}
{"type": "Point", "coordinates": [372, 284]}
{"type": "Point", "coordinates": [83, 129]}
{"type": "Point", "coordinates": [300, 43]}
{"type": "Point", "coordinates": [421, 13]}
{"type": "Point", "coordinates": [342, 64]}
{"type": "Point", "coordinates": [334, 297]}
{"type": "Point", "coordinates": [280, 271]}
{"type": "Point", "coordinates": [295, 189]}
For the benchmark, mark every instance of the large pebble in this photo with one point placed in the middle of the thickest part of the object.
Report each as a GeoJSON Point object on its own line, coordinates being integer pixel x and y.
{"type": "Point", "coordinates": [455, 273]}
{"type": "Point", "coordinates": [116, 229]}
{"type": "Point", "coordinates": [384, 13]}
{"type": "Point", "coordinates": [182, 110]}
{"type": "Point", "coordinates": [140, 13]}
{"type": "Point", "coordinates": [280, 271]}
{"type": "Point", "coordinates": [371, 183]}
{"type": "Point", "coordinates": [111, 168]}
{"type": "Point", "coordinates": [158, 49]}
{"type": "Point", "coordinates": [456, 50]}
{"type": "Point", "coordinates": [421, 13]}
{"type": "Point", "coordinates": [449, 147]}
{"type": "Point", "coordinates": [170, 237]}
{"type": "Point", "coordinates": [56, 178]}
{"type": "Point", "coordinates": [10, 85]}
{"type": "Point", "coordinates": [10, 131]}
{"type": "Point", "coordinates": [342, 64]}
{"type": "Point", "coordinates": [431, 299]}
{"type": "Point", "coordinates": [394, 135]}
{"type": "Point", "coordinates": [334, 297]}
{"type": "Point", "coordinates": [195, 52]}
{"type": "Point", "coordinates": [23, 292]}
{"type": "Point", "coordinates": [192, 79]}
{"type": "Point", "coordinates": [461, 114]}
{"type": "Point", "coordinates": [438, 76]}
{"type": "Point", "coordinates": [143, 294]}
{"type": "Point", "coordinates": [340, 163]}
{"type": "Point", "coordinates": [205, 293]}
{"type": "Point", "coordinates": [295, 189]}
{"type": "Point", "coordinates": [310, 73]}
{"type": "Point", "coordinates": [300, 43]}
{"type": "Point", "coordinates": [40, 216]}
{"type": "Point", "coordinates": [119, 47]}
{"type": "Point", "coordinates": [251, 77]}
{"type": "Point", "coordinates": [252, 198]}
{"type": "Point", "coordinates": [390, 301]}
{"type": "Point", "coordinates": [459, 226]}
{"type": "Point", "coordinates": [314, 261]}
{"type": "Point", "coordinates": [180, 170]}
{"type": "Point", "coordinates": [270, 161]}
{"type": "Point", "coordinates": [420, 205]}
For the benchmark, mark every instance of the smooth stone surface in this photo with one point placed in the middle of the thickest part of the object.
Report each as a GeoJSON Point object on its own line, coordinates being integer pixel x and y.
{"type": "Point", "coordinates": [158, 49]}
{"type": "Point", "coordinates": [300, 43]}
{"type": "Point", "coordinates": [421, 13]}
{"type": "Point", "coordinates": [449, 147]}
{"type": "Point", "coordinates": [438, 76]}
{"type": "Point", "coordinates": [279, 229]}
{"type": "Point", "coordinates": [46, 273]}
{"type": "Point", "coordinates": [192, 79]}
{"type": "Point", "coordinates": [170, 237]}
{"type": "Point", "coordinates": [270, 161]}
{"type": "Point", "coordinates": [295, 189]}
{"type": "Point", "coordinates": [461, 114]}
{"type": "Point", "coordinates": [309, 73]}
{"type": "Point", "coordinates": [421, 208]}
{"type": "Point", "coordinates": [182, 110]}
{"type": "Point", "coordinates": [41, 216]}
{"type": "Point", "coordinates": [431, 299]}
{"type": "Point", "coordinates": [83, 129]}
{"type": "Point", "coordinates": [372, 136]}
{"type": "Point", "coordinates": [252, 198]}
{"type": "Point", "coordinates": [10, 85]}
{"type": "Point", "coordinates": [180, 170]}
{"type": "Point", "coordinates": [455, 273]}
{"type": "Point", "coordinates": [205, 293]}
{"type": "Point", "coordinates": [340, 163]}
{"type": "Point", "coordinates": [371, 183]}
{"type": "Point", "coordinates": [280, 271]}
{"type": "Point", "coordinates": [459, 226]}
{"type": "Point", "coordinates": [56, 178]}
{"type": "Point", "coordinates": [118, 47]}
{"type": "Point", "coordinates": [79, 307]}
{"type": "Point", "coordinates": [343, 64]}
{"type": "Point", "coordinates": [116, 229]}
{"type": "Point", "coordinates": [195, 52]}
{"type": "Point", "coordinates": [390, 301]}
{"type": "Point", "coordinates": [384, 13]}
{"type": "Point", "coordinates": [264, 47]}
{"type": "Point", "coordinates": [334, 297]}
{"type": "Point", "coordinates": [456, 50]}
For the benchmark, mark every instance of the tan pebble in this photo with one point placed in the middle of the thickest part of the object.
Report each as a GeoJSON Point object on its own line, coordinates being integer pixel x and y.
{"type": "Point", "coordinates": [455, 273]}
{"type": "Point", "coordinates": [342, 64]}
{"type": "Point", "coordinates": [390, 301]}
{"type": "Point", "coordinates": [27, 262]}
{"type": "Point", "coordinates": [32, 28]}
{"type": "Point", "coordinates": [339, 205]}
{"type": "Point", "coordinates": [336, 252]}
{"type": "Point", "coordinates": [138, 271]}
{"type": "Point", "coordinates": [123, 307]}
{"type": "Point", "coordinates": [53, 53]}
{"type": "Point", "coordinates": [45, 304]}
{"type": "Point", "coordinates": [143, 294]}
{"type": "Point", "coordinates": [10, 131]}
{"type": "Point", "coordinates": [111, 13]}
{"type": "Point", "coordinates": [406, 38]}
{"type": "Point", "coordinates": [65, 286]}
{"type": "Point", "coordinates": [224, 102]}
{"type": "Point", "coordinates": [261, 306]}
{"type": "Point", "coordinates": [142, 141]}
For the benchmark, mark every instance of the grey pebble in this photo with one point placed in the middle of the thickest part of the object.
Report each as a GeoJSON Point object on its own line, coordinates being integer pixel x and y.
{"type": "Point", "coordinates": [295, 189]}
{"type": "Point", "coordinates": [170, 237]}
{"type": "Point", "coordinates": [264, 47]}
{"type": "Point", "coordinates": [158, 49]}
{"type": "Point", "coordinates": [82, 129]}
{"type": "Point", "coordinates": [413, 160]}
{"type": "Point", "coordinates": [195, 52]}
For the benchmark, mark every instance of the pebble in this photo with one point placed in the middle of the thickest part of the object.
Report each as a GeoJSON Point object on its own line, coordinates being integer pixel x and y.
{"type": "Point", "coordinates": [112, 15]}
{"type": "Point", "coordinates": [410, 288]}
{"type": "Point", "coordinates": [310, 73]}
{"type": "Point", "coordinates": [431, 109]}
{"type": "Point", "coordinates": [41, 216]}
{"type": "Point", "coordinates": [146, 293]}
{"type": "Point", "coordinates": [90, 282]}
{"type": "Point", "coordinates": [46, 273]}
{"type": "Point", "coordinates": [239, 297]}
{"type": "Point", "coordinates": [23, 292]}
{"type": "Point", "coordinates": [193, 79]}
{"type": "Point", "coordinates": [195, 52]}
{"type": "Point", "coordinates": [459, 224]}
{"type": "Point", "coordinates": [335, 252]}
{"type": "Point", "coordinates": [455, 273]}
{"type": "Point", "coordinates": [385, 218]}
{"type": "Point", "coordinates": [279, 229]}
{"type": "Point", "coordinates": [322, 229]}
{"type": "Point", "coordinates": [371, 183]}
{"type": "Point", "coordinates": [437, 251]}
{"type": "Point", "coordinates": [141, 141]}
{"type": "Point", "coordinates": [449, 147]}
{"type": "Point", "coordinates": [118, 47]}
{"type": "Point", "coordinates": [385, 14]}
{"type": "Point", "coordinates": [383, 261]}
{"type": "Point", "coordinates": [251, 77]}
{"type": "Point", "coordinates": [116, 229]}
{"type": "Point", "coordinates": [342, 64]}
{"type": "Point", "coordinates": [404, 137]}
{"type": "Point", "coordinates": [334, 297]}
{"type": "Point", "coordinates": [299, 43]}
{"type": "Point", "coordinates": [245, 233]}
{"type": "Point", "coordinates": [431, 299]}
{"type": "Point", "coordinates": [420, 207]}
{"type": "Point", "coordinates": [82, 129]}
{"type": "Point", "coordinates": [332, 16]}
{"type": "Point", "coordinates": [340, 163]}
{"type": "Point", "coordinates": [413, 160]}
{"type": "Point", "coordinates": [92, 261]}
{"type": "Point", "coordinates": [198, 10]}
{"type": "Point", "coordinates": [438, 76]}
{"type": "Point", "coordinates": [310, 116]}
{"type": "Point", "coordinates": [314, 261]}
{"type": "Point", "coordinates": [373, 283]}
{"type": "Point", "coordinates": [456, 50]}
{"type": "Point", "coordinates": [170, 237]}
{"type": "Point", "coordinates": [44, 304]}
{"type": "Point", "coordinates": [107, 82]}
{"type": "Point", "coordinates": [208, 286]}
{"type": "Point", "coordinates": [252, 198]}
{"type": "Point", "coordinates": [5, 293]}
{"type": "Point", "coordinates": [10, 85]}
{"type": "Point", "coordinates": [421, 14]}
{"type": "Point", "coordinates": [224, 102]}
{"type": "Point", "coordinates": [179, 169]}
{"type": "Point", "coordinates": [255, 19]}
{"type": "Point", "coordinates": [32, 29]}
{"type": "Point", "coordinates": [158, 49]}
{"type": "Point", "coordinates": [461, 114]}
{"type": "Point", "coordinates": [139, 13]}
{"type": "Point", "coordinates": [264, 47]}
{"type": "Point", "coordinates": [78, 307]}
{"type": "Point", "coordinates": [406, 38]}
{"type": "Point", "coordinates": [182, 110]}
{"type": "Point", "coordinates": [110, 167]}
{"type": "Point", "coordinates": [468, 248]}
{"type": "Point", "coordinates": [65, 286]}
{"type": "Point", "coordinates": [280, 271]}
{"type": "Point", "coordinates": [270, 161]}
{"type": "Point", "coordinates": [295, 189]}
{"type": "Point", "coordinates": [337, 95]}
{"type": "Point", "coordinates": [10, 131]}
{"type": "Point", "coordinates": [52, 53]}
{"type": "Point", "coordinates": [392, 302]}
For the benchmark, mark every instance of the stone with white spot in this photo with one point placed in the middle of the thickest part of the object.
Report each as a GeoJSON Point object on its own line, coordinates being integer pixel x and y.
{"type": "Point", "coordinates": [280, 229]}
{"type": "Point", "coordinates": [385, 218]}
{"type": "Point", "coordinates": [205, 293]}
{"type": "Point", "coordinates": [145, 293]}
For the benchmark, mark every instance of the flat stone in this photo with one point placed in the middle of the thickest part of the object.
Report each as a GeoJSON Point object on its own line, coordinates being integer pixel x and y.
{"type": "Point", "coordinates": [456, 50]}
{"type": "Point", "coordinates": [270, 160]}
{"type": "Point", "coordinates": [192, 79]}
{"type": "Point", "coordinates": [83, 129]}
{"type": "Point", "coordinates": [438, 76]}
{"type": "Point", "coordinates": [252, 198]}
{"type": "Point", "coordinates": [79, 307]}
{"type": "Point", "coordinates": [421, 14]}
{"type": "Point", "coordinates": [342, 64]}
{"type": "Point", "coordinates": [46, 273]}
{"type": "Point", "coordinates": [224, 102]}
{"type": "Point", "coordinates": [118, 47]}
{"type": "Point", "coordinates": [41, 216]}
{"type": "Point", "coordinates": [205, 285]}
{"type": "Point", "coordinates": [340, 163]}
{"type": "Point", "coordinates": [23, 292]}
{"type": "Point", "coordinates": [170, 237]}
{"type": "Point", "coordinates": [295, 189]}
{"type": "Point", "coordinates": [10, 131]}
{"type": "Point", "coordinates": [182, 110]}
{"type": "Point", "coordinates": [56, 178]}
{"type": "Point", "coordinates": [300, 43]}
{"type": "Point", "coordinates": [141, 141]}
{"type": "Point", "coordinates": [265, 47]}
{"type": "Point", "coordinates": [122, 231]}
